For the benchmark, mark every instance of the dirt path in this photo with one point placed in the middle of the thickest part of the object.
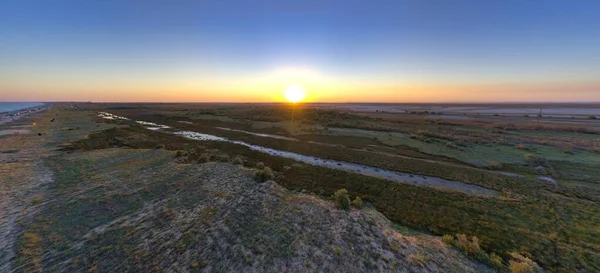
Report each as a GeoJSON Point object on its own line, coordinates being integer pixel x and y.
{"type": "Point", "coordinates": [23, 177]}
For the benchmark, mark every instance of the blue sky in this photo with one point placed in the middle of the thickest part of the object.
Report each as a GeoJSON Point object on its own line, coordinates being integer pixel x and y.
{"type": "Point", "coordinates": [361, 50]}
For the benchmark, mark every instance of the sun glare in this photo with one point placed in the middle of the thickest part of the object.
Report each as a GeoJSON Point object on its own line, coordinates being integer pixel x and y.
{"type": "Point", "coordinates": [294, 93]}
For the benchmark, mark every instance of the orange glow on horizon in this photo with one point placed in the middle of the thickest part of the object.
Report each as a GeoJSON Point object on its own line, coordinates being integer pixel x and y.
{"type": "Point", "coordinates": [268, 88]}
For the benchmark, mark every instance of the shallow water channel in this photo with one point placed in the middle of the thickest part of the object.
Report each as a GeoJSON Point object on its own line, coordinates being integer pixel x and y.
{"type": "Point", "coordinates": [408, 178]}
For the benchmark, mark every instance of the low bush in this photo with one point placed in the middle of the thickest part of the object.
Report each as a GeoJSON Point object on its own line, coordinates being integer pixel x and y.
{"type": "Point", "coordinates": [473, 249]}
{"type": "Point", "coordinates": [342, 199]}
{"type": "Point", "coordinates": [451, 145]}
{"type": "Point", "coordinates": [494, 165]}
{"type": "Point", "coordinates": [448, 239]}
{"type": "Point", "coordinates": [522, 264]}
{"type": "Point", "coordinates": [260, 165]}
{"type": "Point", "coordinates": [263, 175]}
{"type": "Point", "coordinates": [357, 202]}
{"type": "Point", "coordinates": [417, 259]}
{"type": "Point", "coordinates": [238, 160]}
{"type": "Point", "coordinates": [496, 261]}
{"type": "Point", "coordinates": [204, 157]}
{"type": "Point", "coordinates": [160, 147]}
{"type": "Point", "coordinates": [38, 199]}
{"type": "Point", "coordinates": [223, 158]}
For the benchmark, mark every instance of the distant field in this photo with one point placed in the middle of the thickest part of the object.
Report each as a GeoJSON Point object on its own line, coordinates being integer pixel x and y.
{"type": "Point", "coordinates": [571, 113]}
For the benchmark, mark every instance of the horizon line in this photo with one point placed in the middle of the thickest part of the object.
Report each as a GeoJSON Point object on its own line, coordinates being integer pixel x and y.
{"type": "Point", "coordinates": [316, 102]}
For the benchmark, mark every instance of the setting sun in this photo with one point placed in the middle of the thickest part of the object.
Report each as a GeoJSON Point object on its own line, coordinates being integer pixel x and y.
{"type": "Point", "coordinates": [294, 93]}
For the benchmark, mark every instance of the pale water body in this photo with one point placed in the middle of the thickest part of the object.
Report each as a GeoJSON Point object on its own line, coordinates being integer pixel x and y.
{"type": "Point", "coordinates": [256, 134]}
{"type": "Point", "coordinates": [13, 132]}
{"type": "Point", "coordinates": [14, 106]}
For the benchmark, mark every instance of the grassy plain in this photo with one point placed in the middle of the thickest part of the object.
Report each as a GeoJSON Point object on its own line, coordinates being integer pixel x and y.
{"type": "Point", "coordinates": [554, 224]}
{"type": "Point", "coordinates": [82, 194]}
{"type": "Point", "coordinates": [115, 178]}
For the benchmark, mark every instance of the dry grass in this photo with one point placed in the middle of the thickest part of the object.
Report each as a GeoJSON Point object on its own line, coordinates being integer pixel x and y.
{"type": "Point", "coordinates": [213, 217]}
{"type": "Point", "coordinates": [37, 199]}
{"type": "Point", "coordinates": [418, 259]}
{"type": "Point", "coordinates": [31, 251]}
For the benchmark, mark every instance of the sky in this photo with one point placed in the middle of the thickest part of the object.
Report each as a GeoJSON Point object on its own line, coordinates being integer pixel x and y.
{"type": "Point", "coordinates": [337, 51]}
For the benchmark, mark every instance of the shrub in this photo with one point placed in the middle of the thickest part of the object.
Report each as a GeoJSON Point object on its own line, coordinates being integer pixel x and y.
{"type": "Point", "coordinates": [238, 160]}
{"type": "Point", "coordinates": [260, 165]}
{"type": "Point", "coordinates": [472, 248]}
{"type": "Point", "coordinates": [204, 157]}
{"type": "Point", "coordinates": [496, 261]}
{"type": "Point", "coordinates": [467, 246]}
{"type": "Point", "coordinates": [337, 250]}
{"type": "Point", "coordinates": [357, 202]}
{"type": "Point", "coordinates": [448, 239]}
{"type": "Point", "coordinates": [522, 264]}
{"type": "Point", "coordinates": [519, 267]}
{"type": "Point", "coordinates": [417, 259]}
{"type": "Point", "coordinates": [592, 117]}
{"type": "Point", "coordinates": [38, 199]}
{"type": "Point", "coordinates": [451, 145]}
{"type": "Point", "coordinates": [179, 153]}
{"type": "Point", "coordinates": [263, 175]}
{"type": "Point", "coordinates": [494, 165]}
{"type": "Point", "coordinates": [160, 147]}
{"type": "Point", "coordinates": [342, 199]}
{"type": "Point", "coordinates": [223, 158]}
{"type": "Point", "coordinates": [521, 147]}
